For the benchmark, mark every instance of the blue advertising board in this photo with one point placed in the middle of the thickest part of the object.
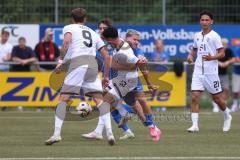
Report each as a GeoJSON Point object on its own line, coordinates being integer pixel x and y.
{"type": "Point", "coordinates": [178, 39]}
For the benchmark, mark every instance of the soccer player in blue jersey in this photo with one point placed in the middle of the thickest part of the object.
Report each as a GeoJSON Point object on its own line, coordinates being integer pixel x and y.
{"type": "Point", "coordinates": [133, 37]}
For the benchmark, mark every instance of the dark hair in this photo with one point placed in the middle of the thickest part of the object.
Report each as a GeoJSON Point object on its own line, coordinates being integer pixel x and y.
{"type": "Point", "coordinates": [110, 32]}
{"type": "Point", "coordinates": [206, 13]}
{"type": "Point", "coordinates": [21, 38]}
{"type": "Point", "coordinates": [105, 21]}
{"type": "Point", "coordinates": [78, 14]}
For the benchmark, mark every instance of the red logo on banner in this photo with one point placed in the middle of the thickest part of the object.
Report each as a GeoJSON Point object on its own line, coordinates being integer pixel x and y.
{"type": "Point", "coordinates": [235, 41]}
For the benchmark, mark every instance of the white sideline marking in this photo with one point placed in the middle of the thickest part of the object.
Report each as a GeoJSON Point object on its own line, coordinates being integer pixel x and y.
{"type": "Point", "coordinates": [121, 158]}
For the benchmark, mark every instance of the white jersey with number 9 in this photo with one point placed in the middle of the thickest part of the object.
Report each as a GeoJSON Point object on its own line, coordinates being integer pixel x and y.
{"type": "Point", "coordinates": [84, 41]}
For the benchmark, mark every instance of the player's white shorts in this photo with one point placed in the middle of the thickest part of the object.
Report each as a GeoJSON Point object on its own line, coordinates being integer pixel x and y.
{"type": "Point", "coordinates": [210, 82]}
{"type": "Point", "coordinates": [82, 77]}
{"type": "Point", "coordinates": [235, 83]}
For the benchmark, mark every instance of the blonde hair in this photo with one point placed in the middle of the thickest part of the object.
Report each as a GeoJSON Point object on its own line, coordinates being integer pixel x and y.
{"type": "Point", "coordinates": [224, 40]}
{"type": "Point", "coordinates": [131, 32]}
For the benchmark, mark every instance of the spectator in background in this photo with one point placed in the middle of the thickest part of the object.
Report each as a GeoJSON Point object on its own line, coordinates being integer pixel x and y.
{"type": "Point", "coordinates": [5, 50]}
{"type": "Point", "coordinates": [223, 64]}
{"type": "Point", "coordinates": [160, 55]}
{"type": "Point", "coordinates": [46, 50]}
{"type": "Point", "coordinates": [22, 54]}
{"type": "Point", "coordinates": [236, 83]}
{"type": "Point", "coordinates": [5, 53]}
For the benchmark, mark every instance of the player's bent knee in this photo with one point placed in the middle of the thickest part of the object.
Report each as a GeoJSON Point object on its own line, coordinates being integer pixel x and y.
{"type": "Point", "coordinates": [195, 99]}
{"type": "Point", "coordinates": [64, 98]}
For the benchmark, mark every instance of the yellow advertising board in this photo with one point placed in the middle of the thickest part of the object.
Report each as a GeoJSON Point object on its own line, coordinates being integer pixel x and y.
{"type": "Point", "coordinates": [33, 89]}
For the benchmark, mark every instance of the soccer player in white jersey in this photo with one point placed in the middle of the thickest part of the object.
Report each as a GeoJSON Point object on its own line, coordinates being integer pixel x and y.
{"type": "Point", "coordinates": [79, 50]}
{"type": "Point", "coordinates": [120, 112]}
{"type": "Point", "coordinates": [124, 85]}
{"type": "Point", "coordinates": [208, 48]}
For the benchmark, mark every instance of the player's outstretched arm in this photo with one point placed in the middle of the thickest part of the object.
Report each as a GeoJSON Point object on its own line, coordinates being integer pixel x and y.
{"type": "Point", "coordinates": [142, 65]}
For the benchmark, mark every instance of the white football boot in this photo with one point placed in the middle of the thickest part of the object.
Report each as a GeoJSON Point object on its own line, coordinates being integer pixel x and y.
{"type": "Point", "coordinates": [93, 135]}
{"type": "Point", "coordinates": [193, 129]}
{"type": "Point", "coordinates": [227, 123]}
{"type": "Point", "coordinates": [127, 135]}
{"type": "Point", "coordinates": [52, 140]}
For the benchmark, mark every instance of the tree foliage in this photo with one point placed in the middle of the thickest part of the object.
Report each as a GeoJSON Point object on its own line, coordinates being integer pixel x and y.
{"type": "Point", "coordinates": [124, 11]}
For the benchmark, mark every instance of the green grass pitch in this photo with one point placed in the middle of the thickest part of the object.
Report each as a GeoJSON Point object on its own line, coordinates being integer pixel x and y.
{"type": "Point", "coordinates": [23, 134]}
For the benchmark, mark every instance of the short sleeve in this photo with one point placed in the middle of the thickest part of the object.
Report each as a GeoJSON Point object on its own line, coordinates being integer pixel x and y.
{"type": "Point", "coordinates": [13, 52]}
{"type": "Point", "coordinates": [99, 42]}
{"type": "Point", "coordinates": [67, 29]}
{"type": "Point", "coordinates": [217, 42]}
{"type": "Point", "coordinates": [195, 41]}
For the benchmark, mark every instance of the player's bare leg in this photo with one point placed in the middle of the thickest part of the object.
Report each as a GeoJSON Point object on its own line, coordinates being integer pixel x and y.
{"type": "Point", "coordinates": [138, 108]}
{"type": "Point", "coordinates": [143, 102]}
{"type": "Point", "coordinates": [195, 111]}
{"type": "Point", "coordinates": [60, 113]}
{"type": "Point", "coordinates": [219, 100]}
{"type": "Point", "coordinates": [154, 131]}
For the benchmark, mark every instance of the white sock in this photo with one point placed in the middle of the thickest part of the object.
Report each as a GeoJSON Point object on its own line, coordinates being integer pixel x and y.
{"type": "Point", "coordinates": [128, 131]}
{"type": "Point", "coordinates": [58, 126]}
{"type": "Point", "coordinates": [100, 126]}
{"type": "Point", "coordinates": [214, 104]}
{"type": "Point", "coordinates": [121, 110]}
{"type": "Point", "coordinates": [151, 126]}
{"type": "Point", "coordinates": [107, 122]}
{"type": "Point", "coordinates": [194, 117]}
{"type": "Point", "coordinates": [104, 113]}
{"type": "Point", "coordinates": [226, 112]}
{"type": "Point", "coordinates": [59, 117]}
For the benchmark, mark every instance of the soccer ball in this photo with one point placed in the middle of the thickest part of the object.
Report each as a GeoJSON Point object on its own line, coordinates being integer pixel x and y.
{"type": "Point", "coordinates": [83, 109]}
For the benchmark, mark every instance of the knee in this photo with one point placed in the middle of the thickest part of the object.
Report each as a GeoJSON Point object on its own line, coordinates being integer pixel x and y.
{"type": "Point", "coordinates": [218, 100]}
{"type": "Point", "coordinates": [195, 98]}
{"type": "Point", "coordinates": [98, 101]}
{"type": "Point", "coordinates": [64, 98]}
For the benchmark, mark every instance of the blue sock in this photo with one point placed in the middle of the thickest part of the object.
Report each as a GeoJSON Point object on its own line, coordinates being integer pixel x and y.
{"type": "Point", "coordinates": [149, 120]}
{"type": "Point", "coordinates": [117, 117]}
